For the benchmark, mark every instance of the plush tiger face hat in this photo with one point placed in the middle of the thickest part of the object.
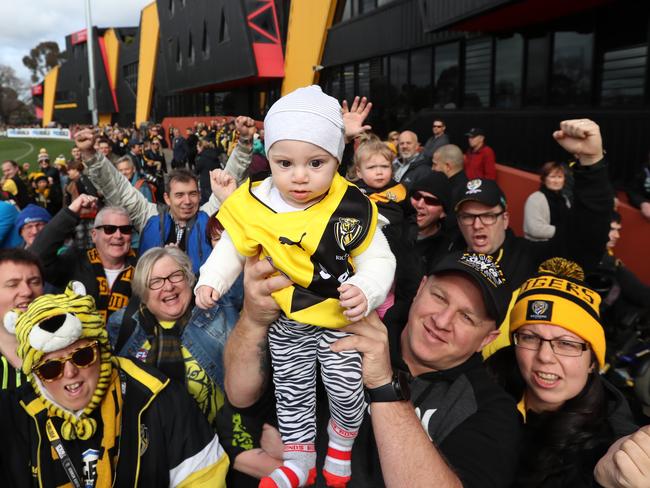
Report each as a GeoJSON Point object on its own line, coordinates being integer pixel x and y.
{"type": "Point", "coordinates": [51, 323]}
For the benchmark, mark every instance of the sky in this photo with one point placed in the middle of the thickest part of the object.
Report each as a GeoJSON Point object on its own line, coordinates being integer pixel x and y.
{"type": "Point", "coordinates": [26, 23]}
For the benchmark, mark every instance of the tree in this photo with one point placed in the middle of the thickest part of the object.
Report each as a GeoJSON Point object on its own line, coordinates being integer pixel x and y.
{"type": "Point", "coordinates": [42, 59]}
{"type": "Point", "coordinates": [13, 109]}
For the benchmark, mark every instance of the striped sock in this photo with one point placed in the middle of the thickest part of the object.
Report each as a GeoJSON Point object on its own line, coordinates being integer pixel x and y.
{"type": "Point", "coordinates": [338, 466]}
{"type": "Point", "coordinates": [298, 468]}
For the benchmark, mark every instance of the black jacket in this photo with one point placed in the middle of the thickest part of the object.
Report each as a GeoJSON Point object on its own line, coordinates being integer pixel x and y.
{"type": "Point", "coordinates": [205, 162]}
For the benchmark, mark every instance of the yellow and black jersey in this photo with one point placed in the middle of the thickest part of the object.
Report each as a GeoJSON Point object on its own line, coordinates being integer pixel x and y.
{"type": "Point", "coordinates": [313, 247]}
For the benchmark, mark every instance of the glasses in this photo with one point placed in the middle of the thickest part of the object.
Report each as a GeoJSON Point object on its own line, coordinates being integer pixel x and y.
{"type": "Point", "coordinates": [82, 357]}
{"type": "Point", "coordinates": [438, 126]}
{"type": "Point", "coordinates": [486, 218]}
{"type": "Point", "coordinates": [175, 277]}
{"type": "Point", "coordinates": [111, 229]}
{"type": "Point", "coordinates": [561, 347]}
{"type": "Point", "coordinates": [418, 195]}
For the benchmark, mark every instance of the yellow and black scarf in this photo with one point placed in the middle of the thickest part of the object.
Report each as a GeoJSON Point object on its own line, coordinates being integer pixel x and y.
{"type": "Point", "coordinates": [108, 300]}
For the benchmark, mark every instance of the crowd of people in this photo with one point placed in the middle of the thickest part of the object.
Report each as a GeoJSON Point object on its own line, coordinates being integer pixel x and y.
{"type": "Point", "coordinates": [310, 304]}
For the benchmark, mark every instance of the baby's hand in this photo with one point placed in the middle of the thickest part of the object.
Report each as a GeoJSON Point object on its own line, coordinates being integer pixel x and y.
{"type": "Point", "coordinates": [354, 300]}
{"type": "Point", "coordinates": [206, 297]}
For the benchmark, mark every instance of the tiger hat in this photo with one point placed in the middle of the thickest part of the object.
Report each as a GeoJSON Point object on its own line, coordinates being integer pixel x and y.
{"type": "Point", "coordinates": [52, 323]}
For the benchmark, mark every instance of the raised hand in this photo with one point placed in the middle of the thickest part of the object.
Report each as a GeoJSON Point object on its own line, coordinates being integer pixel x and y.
{"type": "Point", "coordinates": [222, 184]}
{"type": "Point", "coordinates": [355, 116]}
{"type": "Point", "coordinates": [582, 138]}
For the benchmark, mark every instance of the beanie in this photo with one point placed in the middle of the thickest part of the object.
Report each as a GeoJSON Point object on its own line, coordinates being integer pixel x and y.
{"type": "Point", "coordinates": [31, 213]}
{"type": "Point", "coordinates": [438, 185]}
{"type": "Point", "coordinates": [307, 115]}
{"type": "Point", "coordinates": [558, 297]}
{"type": "Point", "coordinates": [51, 323]}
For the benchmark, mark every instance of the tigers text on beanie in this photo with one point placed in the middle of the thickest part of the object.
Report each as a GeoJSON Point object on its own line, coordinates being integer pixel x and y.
{"type": "Point", "coordinates": [307, 115]}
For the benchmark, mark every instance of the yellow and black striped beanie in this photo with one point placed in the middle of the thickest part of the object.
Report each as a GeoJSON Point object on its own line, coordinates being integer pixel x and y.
{"type": "Point", "coordinates": [557, 296]}
{"type": "Point", "coordinates": [51, 323]}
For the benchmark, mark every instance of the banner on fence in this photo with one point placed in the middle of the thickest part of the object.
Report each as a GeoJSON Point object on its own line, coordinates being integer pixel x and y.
{"type": "Point", "coordinates": [39, 133]}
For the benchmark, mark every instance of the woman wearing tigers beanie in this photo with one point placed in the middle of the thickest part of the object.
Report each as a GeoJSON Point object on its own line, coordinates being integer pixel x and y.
{"type": "Point", "coordinates": [571, 414]}
{"type": "Point", "coordinates": [88, 418]}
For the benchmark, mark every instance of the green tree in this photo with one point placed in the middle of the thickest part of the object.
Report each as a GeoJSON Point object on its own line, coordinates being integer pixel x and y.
{"type": "Point", "coordinates": [42, 59]}
{"type": "Point", "coordinates": [13, 108]}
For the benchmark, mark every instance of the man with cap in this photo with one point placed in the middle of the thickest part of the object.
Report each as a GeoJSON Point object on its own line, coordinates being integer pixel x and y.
{"type": "Point", "coordinates": [30, 223]}
{"type": "Point", "coordinates": [480, 161]}
{"type": "Point", "coordinates": [88, 418]}
{"type": "Point", "coordinates": [458, 427]}
{"type": "Point", "coordinates": [483, 217]}
{"type": "Point", "coordinates": [50, 172]}
{"type": "Point", "coordinates": [430, 197]}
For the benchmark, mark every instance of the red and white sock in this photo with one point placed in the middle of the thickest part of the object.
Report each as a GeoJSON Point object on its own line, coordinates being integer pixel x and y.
{"type": "Point", "coordinates": [299, 468]}
{"type": "Point", "coordinates": [338, 466]}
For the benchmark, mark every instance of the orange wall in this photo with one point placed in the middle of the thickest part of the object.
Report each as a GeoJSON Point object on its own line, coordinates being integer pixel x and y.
{"type": "Point", "coordinates": [633, 246]}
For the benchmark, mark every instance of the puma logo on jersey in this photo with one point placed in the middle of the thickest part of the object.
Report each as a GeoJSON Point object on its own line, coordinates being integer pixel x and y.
{"type": "Point", "coordinates": [288, 242]}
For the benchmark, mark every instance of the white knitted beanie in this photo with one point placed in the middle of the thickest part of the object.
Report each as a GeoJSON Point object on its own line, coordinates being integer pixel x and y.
{"type": "Point", "coordinates": [308, 115]}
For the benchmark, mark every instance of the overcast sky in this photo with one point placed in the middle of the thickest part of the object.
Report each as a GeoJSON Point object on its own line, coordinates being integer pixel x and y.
{"type": "Point", "coordinates": [25, 23]}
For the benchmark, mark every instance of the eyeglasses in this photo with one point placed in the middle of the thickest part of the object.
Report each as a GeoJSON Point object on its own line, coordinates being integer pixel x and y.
{"type": "Point", "coordinates": [111, 229]}
{"type": "Point", "coordinates": [175, 277]}
{"type": "Point", "coordinates": [486, 218]}
{"type": "Point", "coordinates": [561, 347]}
{"type": "Point", "coordinates": [438, 126]}
{"type": "Point", "coordinates": [82, 357]}
{"type": "Point", "coordinates": [418, 195]}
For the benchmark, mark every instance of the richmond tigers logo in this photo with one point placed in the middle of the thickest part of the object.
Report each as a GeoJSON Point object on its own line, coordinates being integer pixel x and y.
{"type": "Point", "coordinates": [346, 231]}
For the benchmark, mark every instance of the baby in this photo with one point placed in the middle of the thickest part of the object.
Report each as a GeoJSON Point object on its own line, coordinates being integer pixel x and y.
{"type": "Point", "coordinates": [322, 232]}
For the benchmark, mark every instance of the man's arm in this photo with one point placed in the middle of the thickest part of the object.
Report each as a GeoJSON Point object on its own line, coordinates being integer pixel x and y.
{"type": "Point", "coordinates": [246, 355]}
{"type": "Point", "coordinates": [407, 455]}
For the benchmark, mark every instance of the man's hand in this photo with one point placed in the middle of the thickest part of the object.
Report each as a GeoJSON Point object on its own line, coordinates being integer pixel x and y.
{"type": "Point", "coordinates": [645, 209]}
{"type": "Point", "coordinates": [370, 337]}
{"type": "Point", "coordinates": [82, 202]}
{"type": "Point", "coordinates": [206, 297]}
{"type": "Point", "coordinates": [245, 126]}
{"type": "Point", "coordinates": [85, 140]}
{"type": "Point", "coordinates": [581, 137]}
{"type": "Point", "coordinates": [259, 306]}
{"type": "Point", "coordinates": [222, 184]}
{"type": "Point", "coordinates": [355, 116]}
{"type": "Point", "coordinates": [354, 301]}
{"type": "Point", "coordinates": [627, 463]}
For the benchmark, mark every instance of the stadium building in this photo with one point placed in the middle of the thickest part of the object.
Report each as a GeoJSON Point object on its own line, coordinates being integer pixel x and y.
{"type": "Point", "coordinates": [514, 68]}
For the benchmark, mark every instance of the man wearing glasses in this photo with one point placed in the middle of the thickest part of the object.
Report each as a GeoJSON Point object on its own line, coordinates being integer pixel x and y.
{"type": "Point", "coordinates": [437, 140]}
{"type": "Point", "coordinates": [105, 270]}
{"type": "Point", "coordinates": [483, 217]}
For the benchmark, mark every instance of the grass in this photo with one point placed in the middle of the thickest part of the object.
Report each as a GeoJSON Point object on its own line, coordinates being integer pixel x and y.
{"type": "Point", "coordinates": [25, 150]}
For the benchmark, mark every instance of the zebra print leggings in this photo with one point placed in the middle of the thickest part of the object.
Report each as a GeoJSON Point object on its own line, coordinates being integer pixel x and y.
{"type": "Point", "coordinates": [295, 347]}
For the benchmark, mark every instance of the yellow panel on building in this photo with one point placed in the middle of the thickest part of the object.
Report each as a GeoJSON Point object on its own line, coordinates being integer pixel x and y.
{"type": "Point", "coordinates": [306, 35]}
{"type": "Point", "coordinates": [105, 119]}
{"type": "Point", "coordinates": [49, 95]}
{"type": "Point", "coordinates": [113, 54]}
{"type": "Point", "coordinates": [149, 38]}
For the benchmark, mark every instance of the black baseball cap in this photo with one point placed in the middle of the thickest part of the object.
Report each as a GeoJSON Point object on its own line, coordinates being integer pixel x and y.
{"type": "Point", "coordinates": [438, 185]}
{"type": "Point", "coordinates": [486, 273]}
{"type": "Point", "coordinates": [475, 131]}
{"type": "Point", "coordinates": [483, 191]}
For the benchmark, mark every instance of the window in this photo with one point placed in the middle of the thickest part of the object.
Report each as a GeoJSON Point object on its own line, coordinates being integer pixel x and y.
{"type": "Point", "coordinates": [623, 76]}
{"type": "Point", "coordinates": [399, 88]}
{"type": "Point", "coordinates": [190, 50]}
{"type": "Point", "coordinates": [536, 71]}
{"type": "Point", "coordinates": [348, 83]}
{"type": "Point", "coordinates": [179, 57]}
{"type": "Point", "coordinates": [478, 63]}
{"type": "Point", "coordinates": [445, 75]}
{"type": "Point", "coordinates": [508, 72]}
{"type": "Point", "coordinates": [366, 6]}
{"type": "Point", "coordinates": [347, 10]}
{"type": "Point", "coordinates": [205, 42]}
{"type": "Point", "coordinates": [363, 79]}
{"type": "Point", "coordinates": [130, 73]}
{"type": "Point", "coordinates": [421, 96]}
{"type": "Point", "coordinates": [224, 33]}
{"type": "Point", "coordinates": [171, 8]}
{"type": "Point", "coordinates": [572, 65]}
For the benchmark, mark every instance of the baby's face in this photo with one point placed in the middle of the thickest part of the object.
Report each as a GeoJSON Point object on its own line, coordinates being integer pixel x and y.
{"type": "Point", "coordinates": [302, 172]}
{"type": "Point", "coordinates": [375, 171]}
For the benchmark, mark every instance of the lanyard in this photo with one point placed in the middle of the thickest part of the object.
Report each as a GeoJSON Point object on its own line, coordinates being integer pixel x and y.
{"type": "Point", "coordinates": [57, 445]}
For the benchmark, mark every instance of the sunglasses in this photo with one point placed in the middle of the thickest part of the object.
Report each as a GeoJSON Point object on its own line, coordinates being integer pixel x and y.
{"type": "Point", "coordinates": [111, 229]}
{"type": "Point", "coordinates": [417, 196]}
{"type": "Point", "coordinates": [83, 357]}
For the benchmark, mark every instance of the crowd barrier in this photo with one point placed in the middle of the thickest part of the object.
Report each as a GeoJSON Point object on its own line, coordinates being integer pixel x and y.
{"type": "Point", "coordinates": [39, 133]}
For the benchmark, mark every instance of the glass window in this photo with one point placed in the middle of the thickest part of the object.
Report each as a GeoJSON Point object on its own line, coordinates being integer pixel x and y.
{"type": "Point", "coordinates": [478, 63]}
{"type": "Point", "coordinates": [335, 82]}
{"type": "Point", "coordinates": [445, 75]}
{"type": "Point", "coordinates": [366, 5]}
{"type": "Point", "coordinates": [363, 76]}
{"type": "Point", "coordinates": [536, 71]}
{"type": "Point", "coordinates": [421, 79]}
{"type": "Point", "coordinates": [508, 72]}
{"type": "Point", "coordinates": [379, 95]}
{"type": "Point", "coordinates": [348, 83]}
{"type": "Point", "coordinates": [623, 76]}
{"type": "Point", "coordinates": [383, 2]}
{"type": "Point", "coordinates": [347, 10]}
{"type": "Point", "coordinates": [572, 64]}
{"type": "Point", "coordinates": [399, 85]}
